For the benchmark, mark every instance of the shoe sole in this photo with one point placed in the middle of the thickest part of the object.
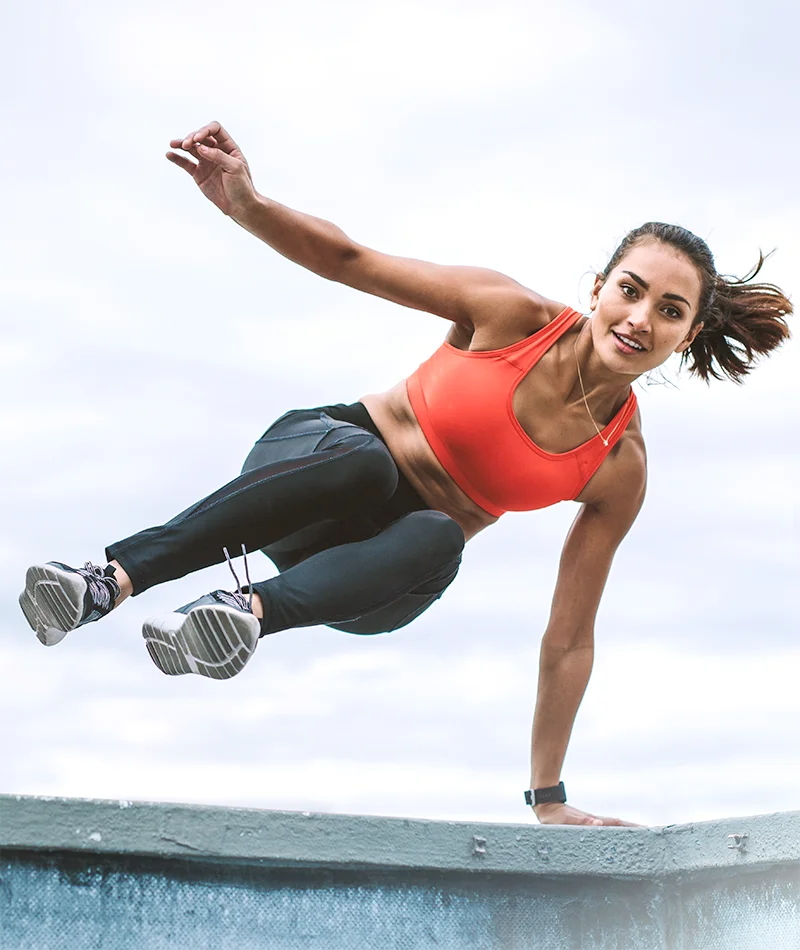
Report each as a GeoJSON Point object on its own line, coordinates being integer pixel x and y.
{"type": "Point", "coordinates": [213, 641]}
{"type": "Point", "coordinates": [52, 602]}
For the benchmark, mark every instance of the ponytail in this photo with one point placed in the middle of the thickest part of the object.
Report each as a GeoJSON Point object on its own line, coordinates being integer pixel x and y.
{"type": "Point", "coordinates": [741, 322]}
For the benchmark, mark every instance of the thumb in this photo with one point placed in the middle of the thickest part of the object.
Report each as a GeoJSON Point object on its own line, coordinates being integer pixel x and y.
{"type": "Point", "coordinates": [218, 157]}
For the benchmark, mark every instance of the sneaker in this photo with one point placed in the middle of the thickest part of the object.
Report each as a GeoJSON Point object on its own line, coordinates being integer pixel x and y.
{"type": "Point", "coordinates": [59, 598]}
{"type": "Point", "coordinates": [213, 636]}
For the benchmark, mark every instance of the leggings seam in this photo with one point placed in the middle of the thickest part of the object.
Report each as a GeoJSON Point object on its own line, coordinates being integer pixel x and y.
{"type": "Point", "coordinates": [397, 594]}
{"type": "Point", "coordinates": [334, 424]}
{"type": "Point", "coordinates": [405, 618]}
{"type": "Point", "coordinates": [322, 432]}
{"type": "Point", "coordinates": [296, 435]}
{"type": "Point", "coordinates": [269, 478]}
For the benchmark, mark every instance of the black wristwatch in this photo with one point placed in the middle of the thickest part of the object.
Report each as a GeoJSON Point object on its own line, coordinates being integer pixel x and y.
{"type": "Point", "coordinates": [544, 796]}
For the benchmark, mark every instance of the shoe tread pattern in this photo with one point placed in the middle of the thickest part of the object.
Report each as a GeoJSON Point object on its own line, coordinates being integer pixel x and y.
{"type": "Point", "coordinates": [213, 641]}
{"type": "Point", "coordinates": [58, 595]}
{"type": "Point", "coordinates": [47, 635]}
{"type": "Point", "coordinates": [52, 602]}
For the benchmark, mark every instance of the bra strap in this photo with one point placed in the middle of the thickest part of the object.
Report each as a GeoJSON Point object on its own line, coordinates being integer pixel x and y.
{"type": "Point", "coordinates": [541, 341]}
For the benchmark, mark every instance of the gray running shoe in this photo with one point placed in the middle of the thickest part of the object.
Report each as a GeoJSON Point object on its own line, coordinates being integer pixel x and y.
{"type": "Point", "coordinates": [59, 598]}
{"type": "Point", "coordinates": [213, 636]}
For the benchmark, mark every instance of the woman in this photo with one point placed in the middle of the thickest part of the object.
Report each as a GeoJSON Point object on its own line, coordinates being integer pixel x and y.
{"type": "Point", "coordinates": [365, 508]}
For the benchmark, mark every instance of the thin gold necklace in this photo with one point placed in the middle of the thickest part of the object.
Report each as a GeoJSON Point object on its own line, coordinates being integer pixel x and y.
{"type": "Point", "coordinates": [586, 401]}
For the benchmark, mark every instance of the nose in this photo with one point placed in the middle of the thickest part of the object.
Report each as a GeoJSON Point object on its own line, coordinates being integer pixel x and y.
{"type": "Point", "coordinates": [639, 319]}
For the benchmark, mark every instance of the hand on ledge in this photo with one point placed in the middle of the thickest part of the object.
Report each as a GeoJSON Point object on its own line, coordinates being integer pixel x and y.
{"type": "Point", "coordinates": [560, 814]}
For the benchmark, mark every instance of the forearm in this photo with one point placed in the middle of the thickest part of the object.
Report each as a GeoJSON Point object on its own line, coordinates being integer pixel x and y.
{"type": "Point", "coordinates": [311, 242]}
{"type": "Point", "coordinates": [563, 675]}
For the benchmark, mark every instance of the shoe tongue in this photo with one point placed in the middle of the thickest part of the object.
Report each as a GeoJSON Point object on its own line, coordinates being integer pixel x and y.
{"type": "Point", "coordinates": [216, 597]}
{"type": "Point", "coordinates": [230, 599]}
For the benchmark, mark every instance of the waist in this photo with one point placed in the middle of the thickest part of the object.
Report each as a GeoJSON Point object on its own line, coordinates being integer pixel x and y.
{"type": "Point", "coordinates": [413, 455]}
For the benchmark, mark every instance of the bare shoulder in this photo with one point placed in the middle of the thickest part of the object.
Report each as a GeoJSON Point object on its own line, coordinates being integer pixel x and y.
{"type": "Point", "coordinates": [618, 487]}
{"type": "Point", "coordinates": [504, 314]}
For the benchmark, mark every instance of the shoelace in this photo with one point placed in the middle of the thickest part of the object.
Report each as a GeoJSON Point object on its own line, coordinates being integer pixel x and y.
{"type": "Point", "coordinates": [104, 589]}
{"type": "Point", "coordinates": [239, 596]}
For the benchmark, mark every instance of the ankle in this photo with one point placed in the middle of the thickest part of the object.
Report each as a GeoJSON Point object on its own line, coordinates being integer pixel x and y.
{"type": "Point", "coordinates": [123, 580]}
{"type": "Point", "coordinates": [258, 607]}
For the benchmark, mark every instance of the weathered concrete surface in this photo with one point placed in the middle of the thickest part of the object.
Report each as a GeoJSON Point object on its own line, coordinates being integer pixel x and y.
{"type": "Point", "coordinates": [306, 838]}
{"type": "Point", "coordinates": [79, 874]}
{"type": "Point", "coordinates": [274, 837]}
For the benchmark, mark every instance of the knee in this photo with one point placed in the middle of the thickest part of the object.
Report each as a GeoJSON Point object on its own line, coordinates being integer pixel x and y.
{"type": "Point", "coordinates": [443, 538]}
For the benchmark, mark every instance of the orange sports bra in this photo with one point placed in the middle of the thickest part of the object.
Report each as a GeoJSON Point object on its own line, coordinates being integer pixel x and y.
{"type": "Point", "coordinates": [463, 402]}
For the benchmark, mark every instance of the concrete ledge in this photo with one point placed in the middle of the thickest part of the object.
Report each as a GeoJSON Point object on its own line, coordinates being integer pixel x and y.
{"type": "Point", "coordinates": [306, 839]}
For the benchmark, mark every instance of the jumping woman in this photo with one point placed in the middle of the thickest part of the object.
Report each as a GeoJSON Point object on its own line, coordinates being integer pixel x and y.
{"type": "Point", "coordinates": [365, 508]}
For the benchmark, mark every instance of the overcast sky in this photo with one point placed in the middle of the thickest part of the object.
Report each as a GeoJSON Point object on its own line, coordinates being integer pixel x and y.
{"type": "Point", "coordinates": [148, 341]}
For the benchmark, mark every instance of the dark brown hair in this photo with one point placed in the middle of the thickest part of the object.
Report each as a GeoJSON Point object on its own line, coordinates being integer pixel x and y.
{"type": "Point", "coordinates": [741, 320]}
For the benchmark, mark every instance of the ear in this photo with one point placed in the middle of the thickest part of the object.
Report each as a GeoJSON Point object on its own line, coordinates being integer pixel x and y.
{"type": "Point", "coordinates": [690, 337]}
{"type": "Point", "coordinates": [598, 283]}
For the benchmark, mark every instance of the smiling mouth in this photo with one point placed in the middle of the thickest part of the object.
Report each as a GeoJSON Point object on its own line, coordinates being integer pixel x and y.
{"type": "Point", "coordinates": [628, 343]}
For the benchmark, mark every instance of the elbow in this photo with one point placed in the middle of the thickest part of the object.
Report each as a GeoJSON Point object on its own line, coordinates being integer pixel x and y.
{"type": "Point", "coordinates": [342, 263]}
{"type": "Point", "coordinates": [566, 657]}
{"type": "Point", "coordinates": [557, 643]}
{"type": "Point", "coordinates": [349, 252]}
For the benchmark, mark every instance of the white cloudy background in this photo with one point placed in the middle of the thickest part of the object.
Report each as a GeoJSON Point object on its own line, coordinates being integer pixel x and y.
{"type": "Point", "coordinates": [147, 342]}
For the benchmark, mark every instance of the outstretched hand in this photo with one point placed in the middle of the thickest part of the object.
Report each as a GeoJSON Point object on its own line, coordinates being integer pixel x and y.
{"type": "Point", "coordinates": [221, 171]}
{"type": "Point", "coordinates": [560, 814]}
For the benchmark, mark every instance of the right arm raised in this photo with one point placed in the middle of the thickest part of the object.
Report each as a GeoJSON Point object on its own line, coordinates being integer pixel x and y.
{"type": "Point", "coordinates": [460, 294]}
{"type": "Point", "coordinates": [465, 295]}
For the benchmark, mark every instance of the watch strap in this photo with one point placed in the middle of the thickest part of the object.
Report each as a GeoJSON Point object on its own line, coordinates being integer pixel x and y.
{"type": "Point", "coordinates": [545, 796]}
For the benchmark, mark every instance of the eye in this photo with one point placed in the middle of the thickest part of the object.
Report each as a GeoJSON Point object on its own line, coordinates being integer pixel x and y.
{"type": "Point", "coordinates": [672, 312]}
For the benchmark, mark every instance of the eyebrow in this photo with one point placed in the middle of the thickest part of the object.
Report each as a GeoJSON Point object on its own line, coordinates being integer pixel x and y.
{"type": "Point", "coordinates": [643, 283]}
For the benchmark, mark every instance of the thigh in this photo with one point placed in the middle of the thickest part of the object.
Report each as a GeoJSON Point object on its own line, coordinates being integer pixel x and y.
{"type": "Point", "coordinates": [295, 435]}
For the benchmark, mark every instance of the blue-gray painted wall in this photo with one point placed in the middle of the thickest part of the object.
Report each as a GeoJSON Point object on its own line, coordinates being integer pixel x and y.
{"type": "Point", "coordinates": [80, 874]}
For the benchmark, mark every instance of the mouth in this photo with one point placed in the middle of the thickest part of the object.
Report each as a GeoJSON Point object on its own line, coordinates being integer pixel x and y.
{"type": "Point", "coordinates": [627, 345]}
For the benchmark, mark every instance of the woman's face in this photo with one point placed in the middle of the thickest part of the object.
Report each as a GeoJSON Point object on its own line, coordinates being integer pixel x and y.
{"type": "Point", "coordinates": [645, 310]}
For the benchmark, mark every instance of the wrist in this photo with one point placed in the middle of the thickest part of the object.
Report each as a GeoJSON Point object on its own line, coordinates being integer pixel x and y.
{"type": "Point", "coordinates": [248, 210]}
{"type": "Point", "coordinates": [546, 795]}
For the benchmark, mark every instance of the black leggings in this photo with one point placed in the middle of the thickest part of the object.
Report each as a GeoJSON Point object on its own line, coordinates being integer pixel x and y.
{"type": "Point", "coordinates": [320, 494]}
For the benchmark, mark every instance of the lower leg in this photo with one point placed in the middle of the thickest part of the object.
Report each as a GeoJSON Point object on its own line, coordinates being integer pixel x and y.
{"type": "Point", "coordinates": [125, 585]}
{"type": "Point", "coordinates": [258, 606]}
{"type": "Point", "coordinates": [346, 582]}
{"type": "Point", "coordinates": [126, 589]}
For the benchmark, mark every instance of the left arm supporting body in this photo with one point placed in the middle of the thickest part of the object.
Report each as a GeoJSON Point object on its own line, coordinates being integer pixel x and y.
{"type": "Point", "coordinates": [567, 650]}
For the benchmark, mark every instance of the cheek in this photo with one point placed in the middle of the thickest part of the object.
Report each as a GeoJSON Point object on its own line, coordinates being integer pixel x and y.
{"type": "Point", "coordinates": [669, 338]}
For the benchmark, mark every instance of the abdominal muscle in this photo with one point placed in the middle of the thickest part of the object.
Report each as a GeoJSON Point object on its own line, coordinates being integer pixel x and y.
{"type": "Point", "coordinates": [392, 413]}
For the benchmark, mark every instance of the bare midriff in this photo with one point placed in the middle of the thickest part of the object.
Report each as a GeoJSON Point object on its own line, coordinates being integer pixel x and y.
{"type": "Point", "coordinates": [392, 413]}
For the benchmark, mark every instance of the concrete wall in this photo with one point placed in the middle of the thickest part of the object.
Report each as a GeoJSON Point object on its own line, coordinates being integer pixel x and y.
{"type": "Point", "coordinates": [79, 874]}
